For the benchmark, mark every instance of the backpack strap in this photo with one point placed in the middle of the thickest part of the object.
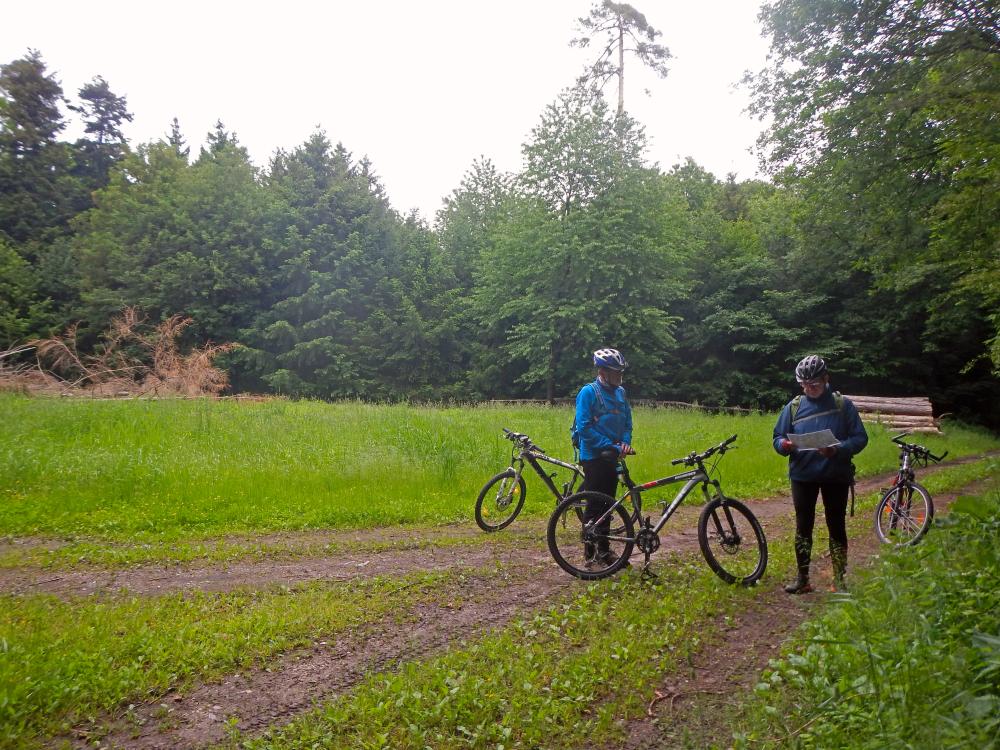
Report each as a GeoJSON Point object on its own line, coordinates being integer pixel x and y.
{"type": "Point", "coordinates": [838, 400]}
{"type": "Point", "coordinates": [600, 396]}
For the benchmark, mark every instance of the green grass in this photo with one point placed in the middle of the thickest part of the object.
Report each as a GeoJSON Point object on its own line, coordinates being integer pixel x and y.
{"type": "Point", "coordinates": [910, 660]}
{"type": "Point", "coordinates": [569, 677]}
{"type": "Point", "coordinates": [160, 471]}
{"type": "Point", "coordinates": [66, 662]}
{"type": "Point", "coordinates": [62, 662]}
{"type": "Point", "coordinates": [565, 678]}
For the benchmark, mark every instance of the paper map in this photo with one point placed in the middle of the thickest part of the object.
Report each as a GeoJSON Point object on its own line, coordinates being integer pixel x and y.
{"type": "Point", "coordinates": [810, 441]}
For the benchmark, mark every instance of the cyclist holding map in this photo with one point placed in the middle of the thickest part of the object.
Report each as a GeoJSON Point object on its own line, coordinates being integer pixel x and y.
{"type": "Point", "coordinates": [820, 434]}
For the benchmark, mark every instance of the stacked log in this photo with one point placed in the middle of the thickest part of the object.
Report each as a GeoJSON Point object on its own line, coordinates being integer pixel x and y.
{"type": "Point", "coordinates": [903, 413]}
{"type": "Point", "coordinates": [910, 414]}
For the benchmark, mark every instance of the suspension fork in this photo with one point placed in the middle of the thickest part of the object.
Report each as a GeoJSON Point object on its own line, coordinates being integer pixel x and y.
{"type": "Point", "coordinates": [719, 495]}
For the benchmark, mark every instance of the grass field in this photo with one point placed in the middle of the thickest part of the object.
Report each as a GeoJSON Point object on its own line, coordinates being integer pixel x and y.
{"type": "Point", "coordinates": [158, 481]}
{"type": "Point", "coordinates": [147, 471]}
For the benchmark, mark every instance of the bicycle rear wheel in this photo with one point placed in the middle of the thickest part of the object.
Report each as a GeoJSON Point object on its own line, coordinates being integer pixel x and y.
{"type": "Point", "coordinates": [904, 514]}
{"type": "Point", "coordinates": [577, 549]}
{"type": "Point", "coordinates": [732, 541]}
{"type": "Point", "coordinates": [499, 501]}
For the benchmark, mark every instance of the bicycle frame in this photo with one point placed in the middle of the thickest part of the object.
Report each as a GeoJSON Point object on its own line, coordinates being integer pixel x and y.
{"type": "Point", "coordinates": [533, 460]}
{"type": "Point", "coordinates": [691, 478]}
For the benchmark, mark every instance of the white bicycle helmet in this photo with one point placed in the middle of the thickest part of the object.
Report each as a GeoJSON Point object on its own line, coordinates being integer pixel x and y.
{"type": "Point", "coordinates": [810, 368]}
{"type": "Point", "coordinates": [611, 359]}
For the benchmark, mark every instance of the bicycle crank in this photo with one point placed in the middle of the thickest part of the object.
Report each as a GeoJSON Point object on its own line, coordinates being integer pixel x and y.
{"type": "Point", "coordinates": [647, 540]}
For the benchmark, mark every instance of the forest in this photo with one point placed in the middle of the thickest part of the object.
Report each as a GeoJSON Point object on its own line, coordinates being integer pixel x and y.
{"type": "Point", "coordinates": [875, 240]}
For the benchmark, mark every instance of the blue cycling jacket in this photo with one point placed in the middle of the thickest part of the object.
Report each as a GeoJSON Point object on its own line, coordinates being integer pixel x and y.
{"type": "Point", "coordinates": [820, 414]}
{"type": "Point", "coordinates": [600, 428]}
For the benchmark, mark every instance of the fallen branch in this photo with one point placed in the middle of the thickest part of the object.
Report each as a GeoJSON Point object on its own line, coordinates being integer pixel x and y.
{"type": "Point", "coordinates": [675, 695]}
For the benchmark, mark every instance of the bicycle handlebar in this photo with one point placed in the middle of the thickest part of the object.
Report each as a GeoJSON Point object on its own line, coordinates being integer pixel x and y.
{"type": "Point", "coordinates": [919, 450]}
{"type": "Point", "coordinates": [692, 458]}
{"type": "Point", "coordinates": [522, 440]}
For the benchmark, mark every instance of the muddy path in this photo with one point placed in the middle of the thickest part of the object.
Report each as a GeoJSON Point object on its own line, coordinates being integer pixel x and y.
{"type": "Point", "coordinates": [504, 576]}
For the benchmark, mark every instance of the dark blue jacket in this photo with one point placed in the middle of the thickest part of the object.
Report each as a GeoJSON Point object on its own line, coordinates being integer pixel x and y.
{"type": "Point", "coordinates": [600, 429]}
{"type": "Point", "coordinates": [821, 414]}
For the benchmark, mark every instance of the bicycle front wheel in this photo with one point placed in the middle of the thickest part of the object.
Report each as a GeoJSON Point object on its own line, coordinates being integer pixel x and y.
{"type": "Point", "coordinates": [582, 550]}
{"type": "Point", "coordinates": [904, 514]}
{"type": "Point", "coordinates": [499, 501]}
{"type": "Point", "coordinates": [732, 541]}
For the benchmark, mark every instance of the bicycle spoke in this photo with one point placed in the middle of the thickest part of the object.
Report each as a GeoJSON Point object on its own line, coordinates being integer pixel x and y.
{"type": "Point", "coordinates": [903, 515]}
{"type": "Point", "coordinates": [585, 549]}
{"type": "Point", "coordinates": [732, 541]}
{"type": "Point", "coordinates": [500, 501]}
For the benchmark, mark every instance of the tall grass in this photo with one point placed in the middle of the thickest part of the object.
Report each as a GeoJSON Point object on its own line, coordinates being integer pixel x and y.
{"type": "Point", "coordinates": [191, 469]}
{"type": "Point", "coordinates": [911, 660]}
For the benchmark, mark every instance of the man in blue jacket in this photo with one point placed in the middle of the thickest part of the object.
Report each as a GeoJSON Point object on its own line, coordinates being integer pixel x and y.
{"type": "Point", "coordinates": [828, 470]}
{"type": "Point", "coordinates": [603, 425]}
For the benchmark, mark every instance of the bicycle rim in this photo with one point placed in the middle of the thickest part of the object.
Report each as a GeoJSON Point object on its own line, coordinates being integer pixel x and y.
{"type": "Point", "coordinates": [585, 552]}
{"type": "Point", "coordinates": [500, 500]}
{"type": "Point", "coordinates": [903, 515]}
{"type": "Point", "coordinates": [732, 541]}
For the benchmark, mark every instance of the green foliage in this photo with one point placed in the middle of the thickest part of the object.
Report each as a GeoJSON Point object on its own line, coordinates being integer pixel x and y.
{"type": "Point", "coordinates": [103, 114]}
{"type": "Point", "coordinates": [875, 247]}
{"type": "Point", "coordinates": [66, 662]}
{"type": "Point", "coordinates": [150, 472]}
{"type": "Point", "coordinates": [911, 659]}
{"type": "Point", "coordinates": [177, 238]}
{"type": "Point", "coordinates": [883, 113]}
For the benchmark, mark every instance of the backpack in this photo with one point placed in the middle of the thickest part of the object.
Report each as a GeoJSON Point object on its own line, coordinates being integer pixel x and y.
{"type": "Point", "coordinates": [602, 410]}
{"type": "Point", "coordinates": [838, 399]}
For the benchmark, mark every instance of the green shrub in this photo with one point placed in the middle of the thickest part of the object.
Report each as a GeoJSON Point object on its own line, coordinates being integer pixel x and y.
{"type": "Point", "coordinates": [910, 659]}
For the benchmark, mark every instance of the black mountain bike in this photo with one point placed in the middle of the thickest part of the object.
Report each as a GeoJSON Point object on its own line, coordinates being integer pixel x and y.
{"type": "Point", "coordinates": [905, 510]}
{"type": "Point", "coordinates": [502, 497]}
{"type": "Point", "coordinates": [730, 536]}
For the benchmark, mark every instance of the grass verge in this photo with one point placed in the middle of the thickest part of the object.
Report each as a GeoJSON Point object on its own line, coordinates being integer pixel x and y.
{"type": "Point", "coordinates": [910, 659]}
{"type": "Point", "coordinates": [62, 663]}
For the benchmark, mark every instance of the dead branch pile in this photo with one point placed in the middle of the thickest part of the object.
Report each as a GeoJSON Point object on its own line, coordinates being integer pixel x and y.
{"type": "Point", "coordinates": [133, 358]}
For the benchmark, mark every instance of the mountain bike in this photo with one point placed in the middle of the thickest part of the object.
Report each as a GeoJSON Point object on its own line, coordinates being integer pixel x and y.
{"type": "Point", "coordinates": [730, 536]}
{"type": "Point", "coordinates": [502, 497]}
{"type": "Point", "coordinates": [905, 510]}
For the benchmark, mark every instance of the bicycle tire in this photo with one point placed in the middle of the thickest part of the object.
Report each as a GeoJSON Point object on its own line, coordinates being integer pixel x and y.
{"type": "Point", "coordinates": [903, 514]}
{"type": "Point", "coordinates": [568, 540]}
{"type": "Point", "coordinates": [497, 509]}
{"type": "Point", "coordinates": [724, 528]}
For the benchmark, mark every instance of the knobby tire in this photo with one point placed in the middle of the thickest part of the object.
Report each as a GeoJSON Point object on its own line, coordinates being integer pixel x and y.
{"type": "Point", "coordinates": [732, 541]}
{"type": "Point", "coordinates": [499, 501]}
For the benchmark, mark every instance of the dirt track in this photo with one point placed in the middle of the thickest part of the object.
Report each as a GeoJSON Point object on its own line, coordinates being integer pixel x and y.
{"type": "Point", "coordinates": [529, 581]}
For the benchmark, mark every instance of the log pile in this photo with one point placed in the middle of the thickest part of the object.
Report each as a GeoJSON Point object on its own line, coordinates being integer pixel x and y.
{"type": "Point", "coordinates": [910, 414]}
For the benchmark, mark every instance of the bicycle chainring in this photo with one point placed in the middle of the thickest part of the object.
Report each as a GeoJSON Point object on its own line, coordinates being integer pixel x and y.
{"type": "Point", "coordinates": [648, 541]}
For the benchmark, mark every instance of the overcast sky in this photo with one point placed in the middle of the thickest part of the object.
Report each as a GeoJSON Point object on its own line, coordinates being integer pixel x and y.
{"type": "Point", "coordinates": [421, 88]}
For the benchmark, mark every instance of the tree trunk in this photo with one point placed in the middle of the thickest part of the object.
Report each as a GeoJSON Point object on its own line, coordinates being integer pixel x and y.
{"type": "Point", "coordinates": [550, 386]}
{"type": "Point", "coordinates": [621, 71]}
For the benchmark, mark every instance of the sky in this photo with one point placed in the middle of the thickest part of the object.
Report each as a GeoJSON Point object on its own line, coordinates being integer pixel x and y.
{"type": "Point", "coordinates": [420, 88]}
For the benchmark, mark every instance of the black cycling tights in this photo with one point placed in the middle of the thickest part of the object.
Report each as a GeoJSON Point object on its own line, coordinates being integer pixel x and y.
{"type": "Point", "coordinates": [804, 495]}
{"type": "Point", "coordinates": [599, 475]}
